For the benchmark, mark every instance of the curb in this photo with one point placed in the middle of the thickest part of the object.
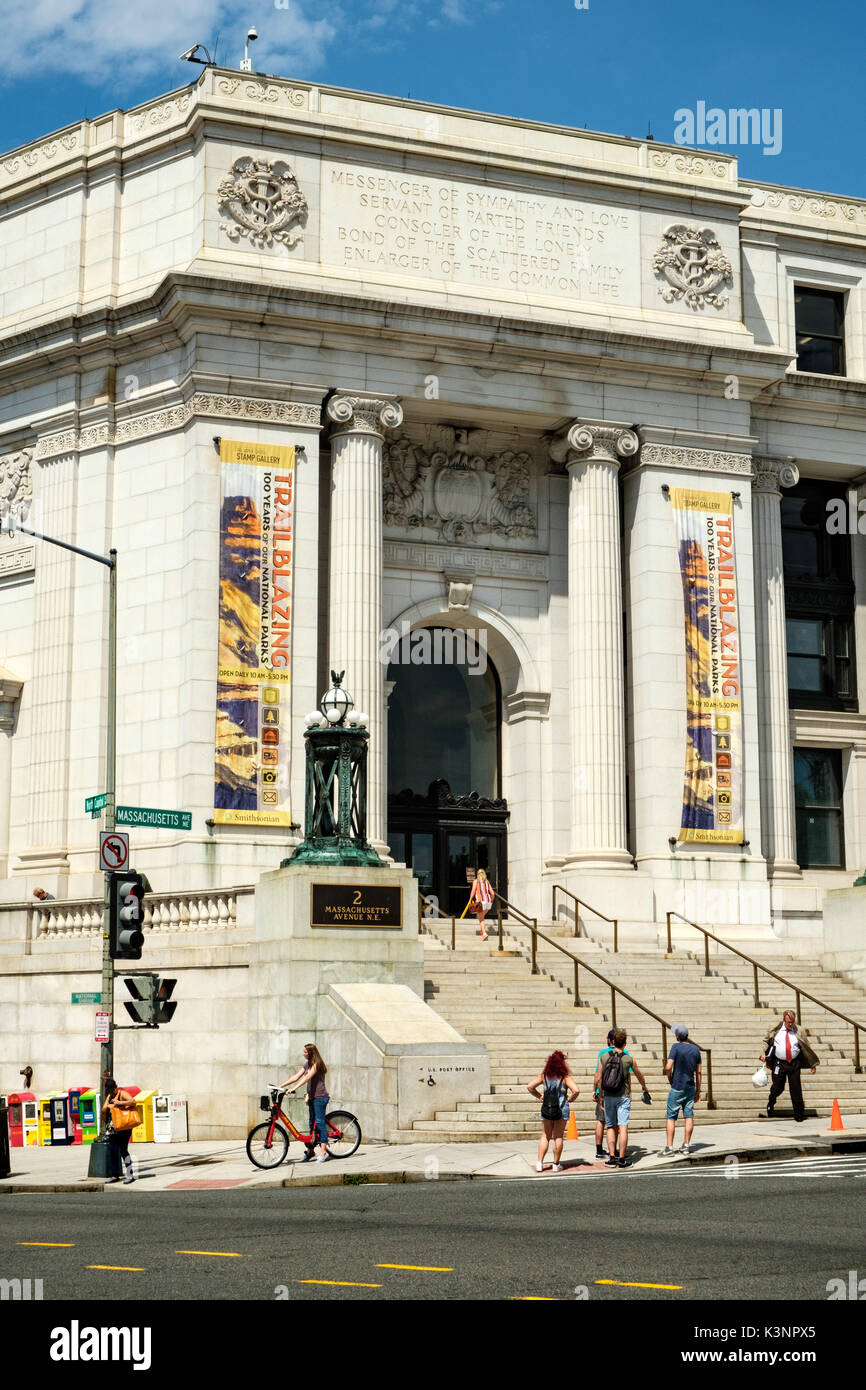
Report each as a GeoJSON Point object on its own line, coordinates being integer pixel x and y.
{"type": "Point", "coordinates": [364, 1179]}
{"type": "Point", "coordinates": [85, 1186]}
{"type": "Point", "coordinates": [819, 1149]}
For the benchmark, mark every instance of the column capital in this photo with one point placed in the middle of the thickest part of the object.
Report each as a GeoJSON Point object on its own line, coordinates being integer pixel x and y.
{"type": "Point", "coordinates": [350, 414]}
{"type": "Point", "coordinates": [770, 475]}
{"type": "Point", "coordinates": [598, 442]}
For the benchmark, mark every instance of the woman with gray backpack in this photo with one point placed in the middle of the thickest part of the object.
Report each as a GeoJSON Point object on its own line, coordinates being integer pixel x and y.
{"type": "Point", "coordinates": [559, 1088]}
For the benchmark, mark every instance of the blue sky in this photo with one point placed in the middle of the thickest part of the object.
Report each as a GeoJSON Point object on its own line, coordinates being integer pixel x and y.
{"type": "Point", "coordinates": [618, 65]}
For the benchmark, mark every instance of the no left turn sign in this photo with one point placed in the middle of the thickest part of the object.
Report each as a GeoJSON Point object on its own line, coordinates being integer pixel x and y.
{"type": "Point", "coordinates": [113, 850]}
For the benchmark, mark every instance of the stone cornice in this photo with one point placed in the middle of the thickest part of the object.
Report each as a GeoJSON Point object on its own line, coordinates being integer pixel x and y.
{"type": "Point", "coordinates": [256, 409]}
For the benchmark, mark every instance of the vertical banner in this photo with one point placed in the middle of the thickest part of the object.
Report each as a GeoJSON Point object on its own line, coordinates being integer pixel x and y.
{"type": "Point", "coordinates": [713, 790]}
{"type": "Point", "coordinates": [253, 711]}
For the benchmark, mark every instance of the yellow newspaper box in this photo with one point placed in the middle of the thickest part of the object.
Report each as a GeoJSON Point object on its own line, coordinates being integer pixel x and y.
{"type": "Point", "coordinates": [143, 1133]}
{"type": "Point", "coordinates": [44, 1116]}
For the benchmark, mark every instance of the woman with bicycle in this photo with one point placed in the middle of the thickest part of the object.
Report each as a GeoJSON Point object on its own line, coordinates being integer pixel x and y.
{"type": "Point", "coordinates": [312, 1075]}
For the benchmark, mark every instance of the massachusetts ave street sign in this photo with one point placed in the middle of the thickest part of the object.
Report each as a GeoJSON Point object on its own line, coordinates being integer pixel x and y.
{"type": "Point", "coordinates": [158, 820]}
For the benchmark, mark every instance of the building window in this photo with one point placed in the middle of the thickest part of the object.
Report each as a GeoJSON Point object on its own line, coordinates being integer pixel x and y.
{"type": "Point", "coordinates": [818, 800]}
{"type": "Point", "coordinates": [819, 320]}
{"type": "Point", "coordinates": [819, 601]}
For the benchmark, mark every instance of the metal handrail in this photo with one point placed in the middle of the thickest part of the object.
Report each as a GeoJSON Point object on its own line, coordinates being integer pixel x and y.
{"type": "Point", "coordinates": [532, 924]}
{"type": "Point", "coordinates": [756, 966]}
{"type": "Point", "coordinates": [425, 902]}
{"type": "Point", "coordinates": [579, 902]}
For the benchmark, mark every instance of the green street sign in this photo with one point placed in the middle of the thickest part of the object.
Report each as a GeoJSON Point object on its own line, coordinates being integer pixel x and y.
{"type": "Point", "coordinates": [94, 804]}
{"type": "Point", "coordinates": [157, 820]}
{"type": "Point", "coordinates": [87, 998]}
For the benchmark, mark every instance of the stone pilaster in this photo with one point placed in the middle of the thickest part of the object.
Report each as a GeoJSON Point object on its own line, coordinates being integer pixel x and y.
{"type": "Point", "coordinates": [10, 691]}
{"type": "Point", "coordinates": [595, 635]}
{"type": "Point", "coordinates": [779, 833]}
{"type": "Point", "coordinates": [358, 428]}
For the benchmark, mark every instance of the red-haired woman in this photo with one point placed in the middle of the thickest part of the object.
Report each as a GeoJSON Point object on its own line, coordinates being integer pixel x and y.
{"type": "Point", "coordinates": [559, 1088]}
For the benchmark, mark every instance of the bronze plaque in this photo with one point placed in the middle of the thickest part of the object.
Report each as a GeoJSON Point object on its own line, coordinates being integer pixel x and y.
{"type": "Point", "coordinates": [348, 905]}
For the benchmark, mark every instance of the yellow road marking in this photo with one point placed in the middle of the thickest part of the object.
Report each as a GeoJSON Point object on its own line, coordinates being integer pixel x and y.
{"type": "Point", "coordinates": [53, 1244]}
{"type": "Point", "coordinates": [338, 1283]}
{"type": "Point", "coordinates": [533, 1298]}
{"type": "Point", "coordinates": [430, 1269]}
{"type": "Point", "coordinates": [628, 1284]}
{"type": "Point", "coordinates": [221, 1254]}
{"type": "Point", "coordinates": [129, 1269]}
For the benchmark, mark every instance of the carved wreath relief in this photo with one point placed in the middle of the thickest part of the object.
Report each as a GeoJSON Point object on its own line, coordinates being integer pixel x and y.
{"type": "Point", "coordinates": [456, 490]}
{"type": "Point", "coordinates": [15, 487]}
{"type": "Point", "coordinates": [692, 262]}
{"type": "Point", "coordinates": [263, 199]}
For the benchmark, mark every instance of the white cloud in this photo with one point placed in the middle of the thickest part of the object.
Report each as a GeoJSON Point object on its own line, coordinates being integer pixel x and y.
{"type": "Point", "coordinates": [97, 40]}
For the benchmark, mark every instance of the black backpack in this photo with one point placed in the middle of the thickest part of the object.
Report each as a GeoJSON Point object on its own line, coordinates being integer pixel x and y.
{"type": "Point", "coordinates": [551, 1108]}
{"type": "Point", "coordinates": [613, 1074]}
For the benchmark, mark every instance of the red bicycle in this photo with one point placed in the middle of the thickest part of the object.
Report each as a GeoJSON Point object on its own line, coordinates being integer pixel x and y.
{"type": "Point", "coordinates": [268, 1143]}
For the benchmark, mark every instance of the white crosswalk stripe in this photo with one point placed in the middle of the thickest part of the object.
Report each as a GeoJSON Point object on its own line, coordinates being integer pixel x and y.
{"type": "Point", "coordinates": [808, 1166]}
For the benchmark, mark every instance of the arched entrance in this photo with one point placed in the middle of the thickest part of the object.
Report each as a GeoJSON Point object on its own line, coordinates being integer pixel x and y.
{"type": "Point", "coordinates": [446, 815]}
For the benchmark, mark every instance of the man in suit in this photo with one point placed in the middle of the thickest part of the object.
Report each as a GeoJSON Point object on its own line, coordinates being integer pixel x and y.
{"type": "Point", "coordinates": [785, 1052]}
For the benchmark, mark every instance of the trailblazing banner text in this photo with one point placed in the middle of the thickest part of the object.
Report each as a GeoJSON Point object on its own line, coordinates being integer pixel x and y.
{"type": "Point", "coordinates": [713, 790]}
{"type": "Point", "coordinates": [253, 714]}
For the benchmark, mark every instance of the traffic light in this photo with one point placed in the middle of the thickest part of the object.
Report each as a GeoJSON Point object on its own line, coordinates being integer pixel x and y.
{"type": "Point", "coordinates": [127, 916]}
{"type": "Point", "coordinates": [151, 1002]}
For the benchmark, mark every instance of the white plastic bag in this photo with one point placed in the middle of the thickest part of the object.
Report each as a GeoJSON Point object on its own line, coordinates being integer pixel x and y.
{"type": "Point", "coordinates": [761, 1077]}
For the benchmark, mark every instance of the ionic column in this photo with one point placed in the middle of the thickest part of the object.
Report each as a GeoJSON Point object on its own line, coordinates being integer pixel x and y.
{"type": "Point", "coordinates": [778, 823]}
{"type": "Point", "coordinates": [358, 431]}
{"type": "Point", "coordinates": [595, 635]}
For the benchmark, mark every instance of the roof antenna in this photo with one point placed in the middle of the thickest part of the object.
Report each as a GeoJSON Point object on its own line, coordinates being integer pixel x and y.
{"type": "Point", "coordinates": [649, 133]}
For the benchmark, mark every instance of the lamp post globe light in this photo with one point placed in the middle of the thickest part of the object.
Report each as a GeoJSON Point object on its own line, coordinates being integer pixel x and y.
{"type": "Point", "coordinates": [335, 811]}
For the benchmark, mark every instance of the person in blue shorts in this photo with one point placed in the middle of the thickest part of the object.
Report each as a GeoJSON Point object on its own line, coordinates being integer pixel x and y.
{"type": "Point", "coordinates": [613, 1081]}
{"type": "Point", "coordinates": [683, 1070]}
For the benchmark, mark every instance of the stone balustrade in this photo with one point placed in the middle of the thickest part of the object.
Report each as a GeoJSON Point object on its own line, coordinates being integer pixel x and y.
{"type": "Point", "coordinates": [208, 911]}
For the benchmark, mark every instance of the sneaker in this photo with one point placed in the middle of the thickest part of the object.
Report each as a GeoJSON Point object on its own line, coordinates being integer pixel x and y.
{"type": "Point", "coordinates": [623, 1162]}
{"type": "Point", "coordinates": [539, 1167]}
{"type": "Point", "coordinates": [308, 1154]}
{"type": "Point", "coordinates": [611, 1161]}
{"type": "Point", "coordinates": [685, 1150]}
{"type": "Point", "coordinates": [557, 1168]}
{"type": "Point", "coordinates": [129, 1178]}
{"type": "Point", "coordinates": [600, 1153]}
{"type": "Point", "coordinates": [322, 1158]}
{"type": "Point", "coordinates": [669, 1150]}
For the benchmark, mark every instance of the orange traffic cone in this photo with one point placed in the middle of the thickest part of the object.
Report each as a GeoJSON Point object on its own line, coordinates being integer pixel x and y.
{"type": "Point", "coordinates": [571, 1132]}
{"type": "Point", "coordinates": [836, 1118]}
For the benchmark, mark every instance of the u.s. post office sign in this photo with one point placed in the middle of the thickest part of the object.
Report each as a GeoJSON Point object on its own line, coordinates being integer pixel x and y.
{"type": "Point", "coordinates": [356, 905]}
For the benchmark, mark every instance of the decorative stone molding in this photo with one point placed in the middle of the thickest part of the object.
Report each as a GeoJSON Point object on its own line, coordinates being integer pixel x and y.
{"type": "Point", "coordinates": [610, 443]}
{"type": "Point", "coordinates": [696, 460]}
{"type": "Point", "coordinates": [364, 415]}
{"type": "Point", "coordinates": [455, 490]}
{"type": "Point", "coordinates": [33, 155]}
{"type": "Point", "coordinates": [268, 92]}
{"type": "Point", "coordinates": [690, 164]}
{"type": "Point", "coordinates": [16, 492]}
{"type": "Point", "coordinates": [160, 114]}
{"type": "Point", "coordinates": [692, 262]}
{"type": "Point", "coordinates": [805, 206]}
{"type": "Point", "coordinates": [435, 559]}
{"type": "Point", "coordinates": [459, 587]}
{"type": "Point", "coordinates": [250, 408]}
{"type": "Point", "coordinates": [526, 704]}
{"type": "Point", "coordinates": [21, 560]}
{"type": "Point", "coordinates": [263, 199]}
{"type": "Point", "coordinates": [770, 475]}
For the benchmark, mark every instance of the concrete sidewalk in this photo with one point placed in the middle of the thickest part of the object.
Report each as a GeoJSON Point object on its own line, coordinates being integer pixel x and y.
{"type": "Point", "coordinates": [219, 1165]}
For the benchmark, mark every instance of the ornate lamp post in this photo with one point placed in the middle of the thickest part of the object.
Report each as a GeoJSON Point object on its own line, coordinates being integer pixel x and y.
{"type": "Point", "coordinates": [335, 813]}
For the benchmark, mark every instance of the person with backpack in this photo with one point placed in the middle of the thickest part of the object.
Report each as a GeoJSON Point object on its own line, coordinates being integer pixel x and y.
{"type": "Point", "coordinates": [599, 1103]}
{"type": "Point", "coordinates": [559, 1088]}
{"type": "Point", "coordinates": [613, 1080]}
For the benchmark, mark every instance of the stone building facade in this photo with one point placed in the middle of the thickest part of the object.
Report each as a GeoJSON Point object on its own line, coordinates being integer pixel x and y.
{"type": "Point", "coordinates": [501, 350]}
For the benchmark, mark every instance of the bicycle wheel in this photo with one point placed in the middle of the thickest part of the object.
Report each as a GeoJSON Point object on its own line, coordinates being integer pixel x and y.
{"type": "Point", "coordinates": [345, 1141]}
{"type": "Point", "coordinates": [258, 1150]}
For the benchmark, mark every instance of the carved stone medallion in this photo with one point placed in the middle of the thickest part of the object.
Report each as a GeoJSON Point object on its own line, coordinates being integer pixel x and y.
{"type": "Point", "coordinates": [692, 262]}
{"type": "Point", "coordinates": [458, 489]}
{"type": "Point", "coordinates": [263, 199]}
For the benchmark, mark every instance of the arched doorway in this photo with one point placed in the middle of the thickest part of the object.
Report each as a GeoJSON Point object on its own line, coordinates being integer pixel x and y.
{"type": "Point", "coordinates": [446, 816]}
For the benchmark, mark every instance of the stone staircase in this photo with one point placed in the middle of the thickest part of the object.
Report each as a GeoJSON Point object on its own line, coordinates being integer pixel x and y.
{"type": "Point", "coordinates": [521, 1018]}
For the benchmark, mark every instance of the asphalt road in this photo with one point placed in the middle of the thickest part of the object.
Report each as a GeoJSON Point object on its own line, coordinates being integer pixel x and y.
{"type": "Point", "coordinates": [676, 1236]}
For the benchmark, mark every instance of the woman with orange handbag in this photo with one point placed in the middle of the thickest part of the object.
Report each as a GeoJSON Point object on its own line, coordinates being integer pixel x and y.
{"type": "Point", "coordinates": [481, 900]}
{"type": "Point", "coordinates": [124, 1118]}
